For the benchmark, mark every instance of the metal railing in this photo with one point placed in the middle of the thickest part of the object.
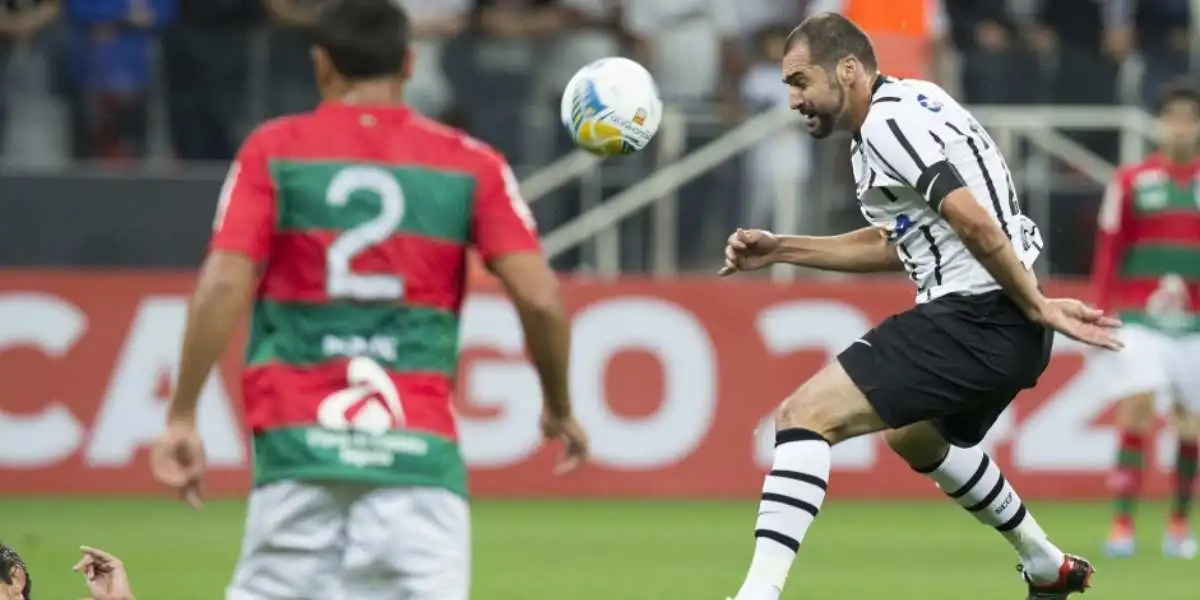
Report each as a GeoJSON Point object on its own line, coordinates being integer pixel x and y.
{"type": "Point", "coordinates": [1039, 126]}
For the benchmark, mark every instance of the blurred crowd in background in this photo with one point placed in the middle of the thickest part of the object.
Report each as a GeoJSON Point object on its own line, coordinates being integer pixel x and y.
{"type": "Point", "coordinates": [161, 82]}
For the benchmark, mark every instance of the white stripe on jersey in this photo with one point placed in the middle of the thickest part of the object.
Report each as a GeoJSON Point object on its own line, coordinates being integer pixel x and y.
{"type": "Point", "coordinates": [911, 126]}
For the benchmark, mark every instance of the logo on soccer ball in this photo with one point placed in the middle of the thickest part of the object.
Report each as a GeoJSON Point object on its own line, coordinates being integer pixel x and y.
{"type": "Point", "coordinates": [639, 118]}
{"type": "Point", "coordinates": [592, 132]}
{"type": "Point", "coordinates": [928, 103]}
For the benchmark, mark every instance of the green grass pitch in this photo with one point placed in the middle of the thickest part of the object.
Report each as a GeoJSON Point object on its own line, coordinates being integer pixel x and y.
{"type": "Point", "coordinates": [557, 550]}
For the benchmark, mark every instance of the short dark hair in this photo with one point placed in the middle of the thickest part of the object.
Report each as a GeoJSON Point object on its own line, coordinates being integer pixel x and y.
{"type": "Point", "coordinates": [1183, 89]}
{"type": "Point", "coordinates": [365, 39]}
{"type": "Point", "coordinates": [832, 37]}
{"type": "Point", "coordinates": [10, 561]}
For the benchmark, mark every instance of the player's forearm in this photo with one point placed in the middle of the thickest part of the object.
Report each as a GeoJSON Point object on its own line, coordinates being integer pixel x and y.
{"type": "Point", "coordinates": [38, 17]}
{"type": "Point", "coordinates": [548, 338]}
{"type": "Point", "coordinates": [861, 251]}
{"type": "Point", "coordinates": [439, 26]}
{"type": "Point", "coordinates": [291, 13]}
{"type": "Point", "coordinates": [221, 296]}
{"type": "Point", "coordinates": [544, 22]}
{"type": "Point", "coordinates": [994, 251]}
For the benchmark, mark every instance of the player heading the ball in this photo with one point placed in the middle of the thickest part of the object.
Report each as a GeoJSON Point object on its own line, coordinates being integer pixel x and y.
{"type": "Point", "coordinates": [942, 207]}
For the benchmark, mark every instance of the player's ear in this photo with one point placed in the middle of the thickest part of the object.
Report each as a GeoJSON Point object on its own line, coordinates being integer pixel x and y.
{"type": "Point", "coordinates": [846, 69]}
{"type": "Point", "coordinates": [410, 57]}
{"type": "Point", "coordinates": [322, 67]}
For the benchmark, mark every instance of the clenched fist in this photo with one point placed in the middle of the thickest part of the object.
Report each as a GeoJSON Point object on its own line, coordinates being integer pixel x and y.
{"type": "Point", "coordinates": [749, 250]}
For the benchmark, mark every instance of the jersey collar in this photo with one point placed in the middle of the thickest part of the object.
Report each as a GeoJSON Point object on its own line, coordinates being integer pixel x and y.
{"type": "Point", "coordinates": [880, 79]}
{"type": "Point", "coordinates": [391, 112]}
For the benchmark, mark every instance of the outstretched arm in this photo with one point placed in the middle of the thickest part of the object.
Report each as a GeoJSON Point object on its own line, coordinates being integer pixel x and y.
{"type": "Point", "coordinates": [864, 250]}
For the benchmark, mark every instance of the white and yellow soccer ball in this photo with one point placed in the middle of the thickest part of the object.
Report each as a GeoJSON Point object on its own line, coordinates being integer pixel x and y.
{"type": "Point", "coordinates": [611, 106]}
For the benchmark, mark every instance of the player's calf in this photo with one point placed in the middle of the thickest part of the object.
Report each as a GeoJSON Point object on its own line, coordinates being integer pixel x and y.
{"type": "Point", "coordinates": [1135, 417]}
{"type": "Point", "coordinates": [970, 478]}
{"type": "Point", "coordinates": [824, 411]}
{"type": "Point", "coordinates": [1179, 541]}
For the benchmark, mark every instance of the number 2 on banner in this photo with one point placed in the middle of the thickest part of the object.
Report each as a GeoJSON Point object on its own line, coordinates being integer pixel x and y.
{"type": "Point", "coordinates": [819, 325]}
{"type": "Point", "coordinates": [340, 280]}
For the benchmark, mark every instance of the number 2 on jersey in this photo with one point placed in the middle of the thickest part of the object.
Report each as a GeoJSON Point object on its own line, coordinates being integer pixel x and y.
{"type": "Point", "coordinates": [340, 280]}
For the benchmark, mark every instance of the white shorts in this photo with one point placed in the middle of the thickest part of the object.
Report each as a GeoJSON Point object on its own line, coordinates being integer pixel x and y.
{"type": "Point", "coordinates": [1153, 362]}
{"type": "Point", "coordinates": [341, 541]}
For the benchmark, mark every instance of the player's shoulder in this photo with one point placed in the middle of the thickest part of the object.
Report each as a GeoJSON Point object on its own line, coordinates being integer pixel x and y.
{"type": "Point", "coordinates": [276, 132]}
{"type": "Point", "coordinates": [1127, 173]}
{"type": "Point", "coordinates": [456, 145]}
{"type": "Point", "coordinates": [909, 97]}
{"type": "Point", "coordinates": [1149, 163]}
{"type": "Point", "coordinates": [907, 104]}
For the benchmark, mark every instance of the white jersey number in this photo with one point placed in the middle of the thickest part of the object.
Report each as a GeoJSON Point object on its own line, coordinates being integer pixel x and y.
{"type": "Point", "coordinates": [340, 280]}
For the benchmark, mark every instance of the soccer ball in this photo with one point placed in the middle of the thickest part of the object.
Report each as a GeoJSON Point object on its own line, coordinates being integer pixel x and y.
{"type": "Point", "coordinates": [611, 107]}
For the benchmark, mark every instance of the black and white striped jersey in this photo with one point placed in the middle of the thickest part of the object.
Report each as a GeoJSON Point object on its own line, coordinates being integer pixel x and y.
{"type": "Point", "coordinates": [911, 126]}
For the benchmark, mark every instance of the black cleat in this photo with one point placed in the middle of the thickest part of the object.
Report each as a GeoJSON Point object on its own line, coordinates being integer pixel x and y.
{"type": "Point", "coordinates": [1075, 576]}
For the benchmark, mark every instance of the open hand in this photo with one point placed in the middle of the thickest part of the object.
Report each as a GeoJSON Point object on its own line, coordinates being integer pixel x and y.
{"type": "Point", "coordinates": [1081, 322]}
{"type": "Point", "coordinates": [574, 440]}
{"type": "Point", "coordinates": [749, 250]}
{"type": "Point", "coordinates": [105, 575]}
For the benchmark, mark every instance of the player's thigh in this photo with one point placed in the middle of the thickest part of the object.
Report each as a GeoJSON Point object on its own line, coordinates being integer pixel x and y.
{"type": "Point", "coordinates": [920, 444]}
{"type": "Point", "coordinates": [830, 404]}
{"type": "Point", "coordinates": [292, 545]}
{"type": "Point", "coordinates": [1183, 372]}
{"type": "Point", "coordinates": [1140, 369]}
{"type": "Point", "coordinates": [410, 543]}
{"type": "Point", "coordinates": [955, 362]}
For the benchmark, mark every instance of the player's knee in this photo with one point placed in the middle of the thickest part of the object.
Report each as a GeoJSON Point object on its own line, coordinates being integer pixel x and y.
{"type": "Point", "coordinates": [804, 410]}
{"type": "Point", "coordinates": [1137, 413]}
{"type": "Point", "coordinates": [920, 445]}
{"type": "Point", "coordinates": [1187, 424]}
{"type": "Point", "coordinates": [831, 405]}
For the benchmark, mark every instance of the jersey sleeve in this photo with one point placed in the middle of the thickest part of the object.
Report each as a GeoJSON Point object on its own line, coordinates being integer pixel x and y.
{"type": "Point", "coordinates": [1115, 212]}
{"type": "Point", "coordinates": [502, 222]}
{"type": "Point", "coordinates": [909, 149]}
{"type": "Point", "coordinates": [245, 216]}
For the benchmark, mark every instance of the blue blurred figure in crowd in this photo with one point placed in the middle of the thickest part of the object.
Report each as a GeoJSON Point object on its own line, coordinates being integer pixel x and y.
{"type": "Point", "coordinates": [110, 68]}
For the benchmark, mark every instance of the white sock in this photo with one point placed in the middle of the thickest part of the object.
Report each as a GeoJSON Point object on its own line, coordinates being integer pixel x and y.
{"type": "Point", "coordinates": [970, 477]}
{"type": "Point", "coordinates": [791, 499]}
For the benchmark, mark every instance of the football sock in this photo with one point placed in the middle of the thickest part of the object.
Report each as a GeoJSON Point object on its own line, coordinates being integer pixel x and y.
{"type": "Point", "coordinates": [972, 480]}
{"type": "Point", "coordinates": [791, 498]}
{"type": "Point", "coordinates": [1127, 478]}
{"type": "Point", "coordinates": [1185, 480]}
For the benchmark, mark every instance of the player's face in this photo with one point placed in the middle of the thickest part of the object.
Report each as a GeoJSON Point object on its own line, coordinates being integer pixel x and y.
{"type": "Point", "coordinates": [813, 92]}
{"type": "Point", "coordinates": [14, 590]}
{"type": "Point", "coordinates": [1179, 123]}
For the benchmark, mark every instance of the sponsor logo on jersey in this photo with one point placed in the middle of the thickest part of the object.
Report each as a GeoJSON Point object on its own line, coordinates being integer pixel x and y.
{"type": "Point", "coordinates": [639, 117]}
{"type": "Point", "coordinates": [929, 103]}
{"type": "Point", "coordinates": [370, 404]}
{"type": "Point", "coordinates": [900, 227]}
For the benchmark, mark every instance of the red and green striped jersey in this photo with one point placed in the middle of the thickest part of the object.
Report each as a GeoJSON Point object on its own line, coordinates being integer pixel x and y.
{"type": "Point", "coordinates": [361, 219]}
{"type": "Point", "coordinates": [1147, 261]}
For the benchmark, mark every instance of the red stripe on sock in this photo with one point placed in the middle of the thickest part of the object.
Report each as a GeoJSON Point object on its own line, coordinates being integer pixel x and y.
{"type": "Point", "coordinates": [1132, 441]}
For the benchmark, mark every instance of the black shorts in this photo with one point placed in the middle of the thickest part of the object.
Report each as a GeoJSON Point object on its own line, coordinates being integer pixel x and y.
{"type": "Point", "coordinates": [956, 361]}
